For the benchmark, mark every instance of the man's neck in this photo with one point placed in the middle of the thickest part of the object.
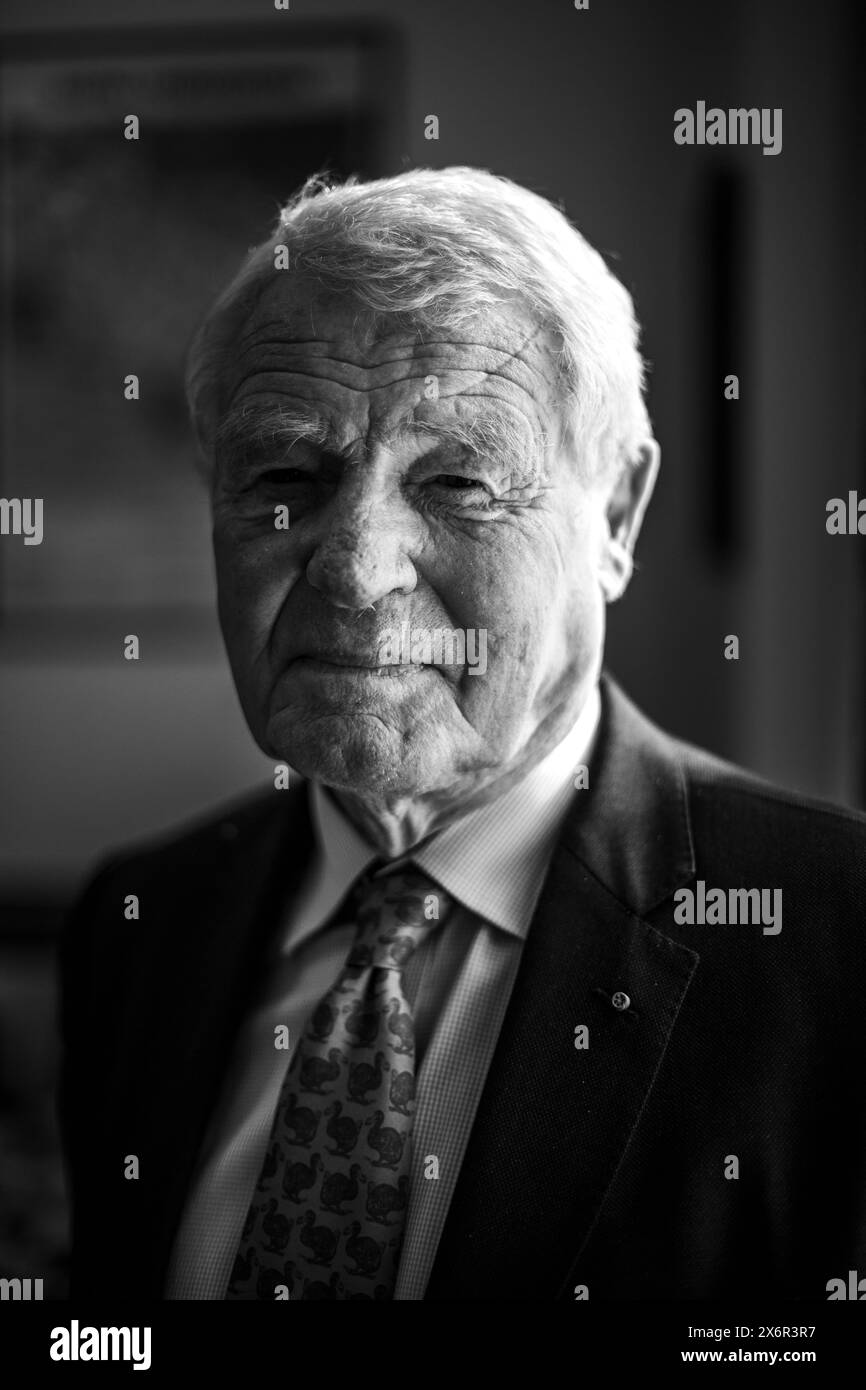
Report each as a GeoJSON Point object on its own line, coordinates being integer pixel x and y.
{"type": "Point", "coordinates": [394, 826]}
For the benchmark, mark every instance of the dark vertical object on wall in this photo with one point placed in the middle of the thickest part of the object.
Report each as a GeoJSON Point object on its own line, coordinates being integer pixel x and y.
{"type": "Point", "coordinates": [724, 329]}
{"type": "Point", "coordinates": [861, 731]}
{"type": "Point", "coordinates": [861, 645]}
{"type": "Point", "coordinates": [852, 123]}
{"type": "Point", "coordinates": [6, 296]}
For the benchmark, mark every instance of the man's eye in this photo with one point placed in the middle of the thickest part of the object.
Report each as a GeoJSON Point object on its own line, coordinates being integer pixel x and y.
{"type": "Point", "coordinates": [456, 480]}
{"type": "Point", "coordinates": [283, 476]}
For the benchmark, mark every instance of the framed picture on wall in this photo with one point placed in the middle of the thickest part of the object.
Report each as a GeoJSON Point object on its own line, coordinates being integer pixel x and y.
{"type": "Point", "coordinates": [117, 234]}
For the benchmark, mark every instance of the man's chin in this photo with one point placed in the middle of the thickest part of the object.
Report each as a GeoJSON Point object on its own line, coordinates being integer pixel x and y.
{"type": "Point", "coordinates": [359, 753]}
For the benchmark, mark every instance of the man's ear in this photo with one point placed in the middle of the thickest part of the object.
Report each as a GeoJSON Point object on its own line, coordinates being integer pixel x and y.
{"type": "Point", "coordinates": [626, 504]}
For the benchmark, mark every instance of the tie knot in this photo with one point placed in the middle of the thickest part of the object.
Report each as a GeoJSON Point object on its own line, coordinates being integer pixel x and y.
{"type": "Point", "coordinates": [395, 914]}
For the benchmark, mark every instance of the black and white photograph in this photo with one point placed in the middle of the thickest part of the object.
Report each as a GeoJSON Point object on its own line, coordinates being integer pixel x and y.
{"type": "Point", "coordinates": [433, 642]}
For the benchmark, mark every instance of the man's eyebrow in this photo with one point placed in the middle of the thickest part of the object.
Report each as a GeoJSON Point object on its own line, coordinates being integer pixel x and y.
{"type": "Point", "coordinates": [484, 433]}
{"type": "Point", "coordinates": [250, 426]}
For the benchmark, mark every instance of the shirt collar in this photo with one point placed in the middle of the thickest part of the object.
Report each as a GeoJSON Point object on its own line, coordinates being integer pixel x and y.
{"type": "Point", "coordinates": [492, 860]}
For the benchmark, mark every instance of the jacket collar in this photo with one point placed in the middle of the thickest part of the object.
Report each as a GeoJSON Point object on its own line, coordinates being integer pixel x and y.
{"type": "Point", "coordinates": [631, 827]}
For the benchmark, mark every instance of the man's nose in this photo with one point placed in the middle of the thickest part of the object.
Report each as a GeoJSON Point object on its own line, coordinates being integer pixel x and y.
{"type": "Point", "coordinates": [361, 554]}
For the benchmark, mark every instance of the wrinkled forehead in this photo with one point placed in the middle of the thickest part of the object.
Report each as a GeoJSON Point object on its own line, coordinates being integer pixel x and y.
{"type": "Point", "coordinates": [295, 325]}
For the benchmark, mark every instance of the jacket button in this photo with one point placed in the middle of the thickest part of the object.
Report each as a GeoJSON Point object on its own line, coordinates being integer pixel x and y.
{"type": "Point", "coordinates": [620, 1000]}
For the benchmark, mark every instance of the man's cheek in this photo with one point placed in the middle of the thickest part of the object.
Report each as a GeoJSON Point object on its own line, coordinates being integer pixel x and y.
{"type": "Point", "coordinates": [252, 587]}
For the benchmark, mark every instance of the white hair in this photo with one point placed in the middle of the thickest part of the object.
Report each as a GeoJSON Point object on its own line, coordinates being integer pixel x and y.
{"type": "Point", "coordinates": [431, 247]}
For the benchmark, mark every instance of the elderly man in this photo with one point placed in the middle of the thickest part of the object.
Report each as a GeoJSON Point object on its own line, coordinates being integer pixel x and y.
{"type": "Point", "coordinates": [507, 995]}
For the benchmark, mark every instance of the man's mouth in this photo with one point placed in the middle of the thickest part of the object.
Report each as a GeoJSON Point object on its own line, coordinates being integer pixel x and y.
{"type": "Point", "coordinates": [336, 664]}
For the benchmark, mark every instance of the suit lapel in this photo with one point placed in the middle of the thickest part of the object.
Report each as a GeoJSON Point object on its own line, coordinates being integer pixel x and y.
{"type": "Point", "coordinates": [554, 1122]}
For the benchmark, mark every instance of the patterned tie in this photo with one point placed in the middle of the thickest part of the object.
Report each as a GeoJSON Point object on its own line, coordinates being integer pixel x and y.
{"type": "Point", "coordinates": [329, 1210]}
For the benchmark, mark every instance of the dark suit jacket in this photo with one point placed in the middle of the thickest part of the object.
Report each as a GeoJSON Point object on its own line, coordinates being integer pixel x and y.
{"type": "Point", "coordinates": [602, 1167]}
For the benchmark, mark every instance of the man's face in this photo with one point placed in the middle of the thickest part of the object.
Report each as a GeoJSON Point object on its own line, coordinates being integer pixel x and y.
{"type": "Point", "coordinates": [393, 525]}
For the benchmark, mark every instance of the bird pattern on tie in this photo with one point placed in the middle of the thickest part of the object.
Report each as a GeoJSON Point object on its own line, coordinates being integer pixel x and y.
{"type": "Point", "coordinates": [328, 1215]}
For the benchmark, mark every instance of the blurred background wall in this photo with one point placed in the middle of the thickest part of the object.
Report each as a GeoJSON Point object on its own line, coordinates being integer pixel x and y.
{"type": "Point", "coordinates": [739, 263]}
